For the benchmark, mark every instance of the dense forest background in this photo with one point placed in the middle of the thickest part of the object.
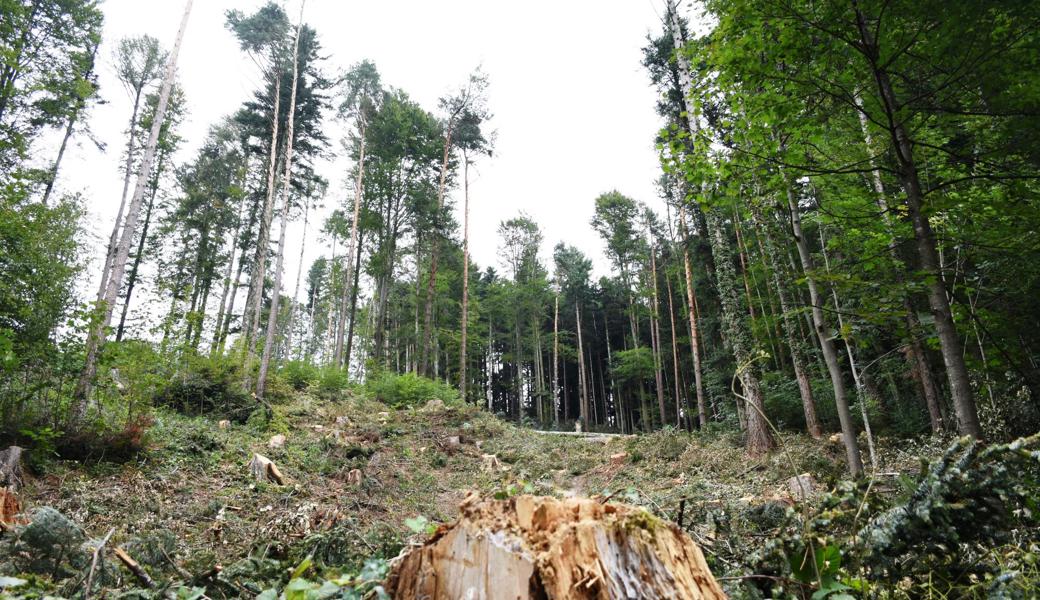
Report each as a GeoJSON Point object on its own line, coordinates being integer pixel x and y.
{"type": "Point", "coordinates": [848, 242]}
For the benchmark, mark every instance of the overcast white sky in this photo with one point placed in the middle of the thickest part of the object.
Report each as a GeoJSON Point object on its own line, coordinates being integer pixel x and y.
{"type": "Point", "coordinates": [573, 108]}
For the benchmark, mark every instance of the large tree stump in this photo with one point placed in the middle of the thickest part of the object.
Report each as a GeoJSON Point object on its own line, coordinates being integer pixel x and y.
{"type": "Point", "coordinates": [542, 548]}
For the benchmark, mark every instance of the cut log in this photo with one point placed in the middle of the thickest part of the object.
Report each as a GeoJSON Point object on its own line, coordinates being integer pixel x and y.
{"type": "Point", "coordinates": [11, 474]}
{"type": "Point", "coordinates": [536, 547]}
{"type": "Point", "coordinates": [223, 424]}
{"type": "Point", "coordinates": [264, 470]}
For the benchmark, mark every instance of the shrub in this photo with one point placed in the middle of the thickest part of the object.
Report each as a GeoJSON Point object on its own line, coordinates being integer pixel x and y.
{"type": "Point", "coordinates": [207, 386]}
{"type": "Point", "coordinates": [299, 374]}
{"type": "Point", "coordinates": [49, 544]}
{"type": "Point", "coordinates": [408, 390]}
{"type": "Point", "coordinates": [332, 381]}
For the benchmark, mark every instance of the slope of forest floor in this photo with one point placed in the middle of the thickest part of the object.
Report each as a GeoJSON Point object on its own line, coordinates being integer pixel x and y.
{"type": "Point", "coordinates": [189, 503]}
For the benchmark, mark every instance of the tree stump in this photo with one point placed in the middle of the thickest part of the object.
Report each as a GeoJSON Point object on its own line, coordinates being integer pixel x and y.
{"type": "Point", "coordinates": [542, 548]}
{"type": "Point", "coordinates": [264, 470]}
{"type": "Point", "coordinates": [9, 508]}
{"type": "Point", "coordinates": [11, 468]}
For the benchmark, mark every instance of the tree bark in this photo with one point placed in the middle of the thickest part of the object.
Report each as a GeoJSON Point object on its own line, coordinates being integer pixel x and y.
{"type": "Point", "coordinates": [656, 336]}
{"type": "Point", "coordinates": [113, 240]}
{"type": "Point", "coordinates": [353, 303]}
{"type": "Point", "coordinates": [857, 377]}
{"type": "Point", "coordinates": [675, 358]}
{"type": "Point", "coordinates": [299, 274]}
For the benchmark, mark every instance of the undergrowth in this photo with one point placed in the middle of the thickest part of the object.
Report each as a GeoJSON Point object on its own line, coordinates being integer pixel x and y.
{"type": "Point", "coordinates": [960, 526]}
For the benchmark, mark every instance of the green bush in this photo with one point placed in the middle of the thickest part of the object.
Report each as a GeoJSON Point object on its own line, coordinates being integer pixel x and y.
{"type": "Point", "coordinates": [299, 374]}
{"type": "Point", "coordinates": [408, 390]}
{"type": "Point", "coordinates": [207, 386]}
{"type": "Point", "coordinates": [332, 381]}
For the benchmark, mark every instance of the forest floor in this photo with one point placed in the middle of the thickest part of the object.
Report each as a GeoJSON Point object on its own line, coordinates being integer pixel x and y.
{"type": "Point", "coordinates": [189, 502]}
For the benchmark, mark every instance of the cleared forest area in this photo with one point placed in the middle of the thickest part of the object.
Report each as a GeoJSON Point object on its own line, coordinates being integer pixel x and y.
{"type": "Point", "coordinates": [796, 354]}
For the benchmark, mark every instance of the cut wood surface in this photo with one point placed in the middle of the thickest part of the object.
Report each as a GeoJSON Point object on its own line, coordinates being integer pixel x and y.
{"type": "Point", "coordinates": [9, 508]}
{"type": "Point", "coordinates": [531, 547]}
{"type": "Point", "coordinates": [264, 470]}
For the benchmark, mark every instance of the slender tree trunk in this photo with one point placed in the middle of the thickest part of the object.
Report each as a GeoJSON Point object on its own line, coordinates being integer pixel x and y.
{"type": "Point", "coordinates": [52, 176]}
{"type": "Point", "coordinates": [299, 274]}
{"type": "Point", "coordinates": [353, 303]}
{"type": "Point", "coordinates": [113, 240]}
{"type": "Point", "coordinates": [949, 341]}
{"type": "Point", "coordinates": [225, 307]}
{"type": "Point", "coordinates": [787, 307]}
{"type": "Point", "coordinates": [619, 404]}
{"type": "Point", "coordinates": [830, 354]}
{"type": "Point", "coordinates": [582, 394]}
{"type": "Point", "coordinates": [465, 280]}
{"type": "Point", "coordinates": [759, 437]}
{"type": "Point", "coordinates": [139, 255]}
{"type": "Point", "coordinates": [276, 292]}
{"type": "Point", "coordinates": [702, 409]}
{"type": "Point", "coordinates": [916, 354]}
{"type": "Point", "coordinates": [97, 334]}
{"type": "Point", "coordinates": [435, 250]}
{"type": "Point", "coordinates": [857, 377]}
{"type": "Point", "coordinates": [675, 355]}
{"type": "Point", "coordinates": [655, 336]}
{"type": "Point", "coordinates": [359, 190]}
{"type": "Point", "coordinates": [258, 274]}
{"type": "Point", "coordinates": [556, 360]}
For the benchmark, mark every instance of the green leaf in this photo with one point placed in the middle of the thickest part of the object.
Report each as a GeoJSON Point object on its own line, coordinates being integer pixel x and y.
{"type": "Point", "coordinates": [417, 524]}
{"type": "Point", "coordinates": [302, 568]}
